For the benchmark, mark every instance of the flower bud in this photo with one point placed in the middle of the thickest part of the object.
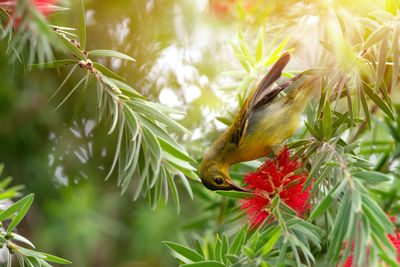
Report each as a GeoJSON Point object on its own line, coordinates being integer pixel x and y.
{"type": "Point", "coordinates": [82, 64]}
{"type": "Point", "coordinates": [8, 236]}
{"type": "Point", "coordinates": [89, 64]}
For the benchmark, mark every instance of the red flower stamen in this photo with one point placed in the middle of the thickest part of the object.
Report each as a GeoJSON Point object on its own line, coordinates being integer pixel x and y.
{"type": "Point", "coordinates": [276, 177]}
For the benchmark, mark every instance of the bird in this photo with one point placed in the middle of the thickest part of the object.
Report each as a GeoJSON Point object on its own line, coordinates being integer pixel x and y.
{"type": "Point", "coordinates": [262, 124]}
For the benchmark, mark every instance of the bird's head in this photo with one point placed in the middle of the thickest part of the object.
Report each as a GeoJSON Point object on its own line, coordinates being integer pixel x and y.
{"type": "Point", "coordinates": [215, 176]}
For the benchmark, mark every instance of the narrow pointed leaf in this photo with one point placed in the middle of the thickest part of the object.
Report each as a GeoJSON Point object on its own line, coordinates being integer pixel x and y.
{"type": "Point", "coordinates": [56, 259]}
{"type": "Point", "coordinates": [372, 176]}
{"type": "Point", "coordinates": [24, 209]}
{"type": "Point", "coordinates": [15, 207]}
{"type": "Point", "coordinates": [184, 251]}
{"type": "Point", "coordinates": [72, 48]}
{"type": "Point", "coordinates": [378, 101]}
{"type": "Point", "coordinates": [204, 264]}
{"type": "Point", "coordinates": [376, 36]}
{"type": "Point", "coordinates": [110, 53]}
{"type": "Point", "coordinates": [55, 63]}
{"type": "Point", "coordinates": [106, 71]}
{"type": "Point", "coordinates": [271, 242]}
{"type": "Point", "coordinates": [82, 26]}
{"type": "Point", "coordinates": [234, 194]}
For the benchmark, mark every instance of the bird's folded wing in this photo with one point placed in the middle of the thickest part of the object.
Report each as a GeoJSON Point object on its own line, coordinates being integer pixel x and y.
{"type": "Point", "coordinates": [261, 94]}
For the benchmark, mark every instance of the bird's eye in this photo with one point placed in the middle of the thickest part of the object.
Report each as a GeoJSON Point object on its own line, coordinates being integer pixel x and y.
{"type": "Point", "coordinates": [218, 180]}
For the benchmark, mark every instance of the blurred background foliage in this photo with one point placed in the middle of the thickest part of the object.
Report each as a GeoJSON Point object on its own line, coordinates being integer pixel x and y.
{"type": "Point", "coordinates": [184, 59]}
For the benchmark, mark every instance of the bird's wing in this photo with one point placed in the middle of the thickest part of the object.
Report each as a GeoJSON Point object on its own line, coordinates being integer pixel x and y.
{"type": "Point", "coordinates": [260, 95]}
{"type": "Point", "coordinates": [262, 92]}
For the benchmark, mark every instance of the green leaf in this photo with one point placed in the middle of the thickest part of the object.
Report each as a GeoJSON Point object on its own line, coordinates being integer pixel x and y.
{"type": "Point", "coordinates": [110, 53]}
{"type": "Point", "coordinates": [232, 258]}
{"type": "Point", "coordinates": [323, 156]}
{"type": "Point", "coordinates": [72, 48]}
{"type": "Point", "coordinates": [56, 259]}
{"type": "Point", "coordinates": [245, 49]}
{"type": "Point", "coordinates": [103, 69]}
{"type": "Point", "coordinates": [157, 115]}
{"type": "Point", "coordinates": [224, 247]}
{"type": "Point", "coordinates": [6, 181]}
{"type": "Point", "coordinates": [82, 27]}
{"type": "Point", "coordinates": [234, 194]}
{"type": "Point", "coordinates": [321, 207]}
{"type": "Point", "coordinates": [320, 71]}
{"type": "Point", "coordinates": [271, 242]}
{"type": "Point", "coordinates": [118, 147]}
{"type": "Point", "coordinates": [131, 120]}
{"type": "Point", "coordinates": [377, 213]}
{"type": "Point", "coordinates": [31, 253]}
{"type": "Point", "coordinates": [24, 209]}
{"type": "Point", "coordinates": [217, 249]}
{"type": "Point", "coordinates": [199, 249]}
{"type": "Point", "coordinates": [204, 264]}
{"type": "Point", "coordinates": [22, 239]}
{"type": "Point", "coordinates": [176, 152]}
{"type": "Point", "coordinates": [365, 108]}
{"type": "Point", "coordinates": [15, 207]}
{"type": "Point", "coordinates": [395, 54]}
{"type": "Point", "coordinates": [378, 35]}
{"type": "Point", "coordinates": [9, 260]}
{"type": "Point", "coordinates": [4, 16]}
{"type": "Point", "coordinates": [224, 120]}
{"type": "Point", "coordinates": [174, 191]}
{"type": "Point", "coordinates": [55, 63]}
{"type": "Point", "coordinates": [186, 184]}
{"type": "Point", "coordinates": [249, 252]}
{"type": "Point", "coordinates": [153, 144]}
{"type": "Point", "coordinates": [327, 120]}
{"type": "Point", "coordinates": [157, 130]}
{"type": "Point", "coordinates": [184, 251]}
{"type": "Point", "coordinates": [238, 242]}
{"type": "Point", "coordinates": [62, 84]}
{"type": "Point", "coordinates": [312, 131]}
{"type": "Point", "coordinates": [379, 102]}
{"type": "Point", "coordinates": [237, 51]}
{"type": "Point", "coordinates": [372, 176]}
{"type": "Point", "coordinates": [274, 54]}
{"type": "Point", "coordinates": [110, 82]}
{"type": "Point", "coordinates": [126, 89]}
{"type": "Point", "coordinates": [260, 44]}
{"type": "Point", "coordinates": [20, 259]}
{"type": "Point", "coordinates": [380, 72]}
{"type": "Point", "coordinates": [187, 170]}
{"type": "Point", "coordinates": [340, 228]}
{"type": "Point", "coordinates": [72, 91]}
{"type": "Point", "coordinates": [388, 260]}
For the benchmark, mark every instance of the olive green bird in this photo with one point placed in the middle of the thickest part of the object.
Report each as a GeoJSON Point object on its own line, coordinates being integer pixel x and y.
{"type": "Point", "coordinates": [263, 123]}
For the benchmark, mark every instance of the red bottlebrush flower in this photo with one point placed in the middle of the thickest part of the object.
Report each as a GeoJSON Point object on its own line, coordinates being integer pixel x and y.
{"type": "Point", "coordinates": [276, 177]}
{"type": "Point", "coordinates": [46, 7]}
{"type": "Point", "coordinates": [394, 239]}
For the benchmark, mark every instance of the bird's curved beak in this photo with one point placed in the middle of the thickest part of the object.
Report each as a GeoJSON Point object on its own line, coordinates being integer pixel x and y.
{"type": "Point", "coordinates": [237, 187]}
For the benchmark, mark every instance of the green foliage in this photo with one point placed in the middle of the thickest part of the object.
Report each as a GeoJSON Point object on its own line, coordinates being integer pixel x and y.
{"type": "Point", "coordinates": [349, 141]}
{"type": "Point", "coordinates": [145, 148]}
{"type": "Point", "coordinates": [15, 213]}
